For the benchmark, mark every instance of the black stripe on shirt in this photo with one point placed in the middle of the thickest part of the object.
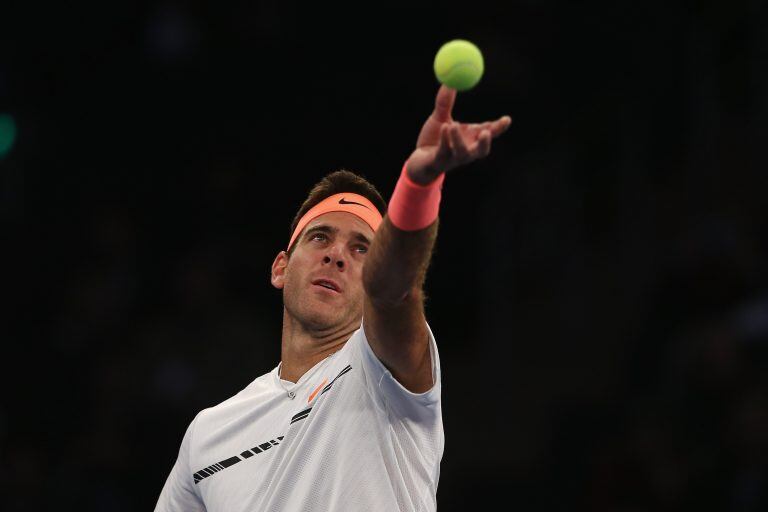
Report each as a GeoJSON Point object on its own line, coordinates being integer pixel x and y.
{"type": "Point", "coordinates": [219, 466]}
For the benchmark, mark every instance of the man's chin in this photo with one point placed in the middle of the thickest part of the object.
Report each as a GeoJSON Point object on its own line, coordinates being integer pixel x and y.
{"type": "Point", "coordinates": [316, 316]}
{"type": "Point", "coordinates": [321, 316]}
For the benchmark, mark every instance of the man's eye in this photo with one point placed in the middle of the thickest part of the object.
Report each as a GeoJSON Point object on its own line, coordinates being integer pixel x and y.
{"type": "Point", "coordinates": [318, 236]}
{"type": "Point", "coordinates": [362, 249]}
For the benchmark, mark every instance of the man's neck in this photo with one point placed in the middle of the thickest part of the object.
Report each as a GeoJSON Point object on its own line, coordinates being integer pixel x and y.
{"type": "Point", "coordinates": [303, 348]}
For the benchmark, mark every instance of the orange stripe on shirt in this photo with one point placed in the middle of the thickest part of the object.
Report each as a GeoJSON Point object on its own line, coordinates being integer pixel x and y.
{"type": "Point", "coordinates": [316, 390]}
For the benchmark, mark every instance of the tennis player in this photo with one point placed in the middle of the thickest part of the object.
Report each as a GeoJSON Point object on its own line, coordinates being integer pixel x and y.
{"type": "Point", "coordinates": [350, 419]}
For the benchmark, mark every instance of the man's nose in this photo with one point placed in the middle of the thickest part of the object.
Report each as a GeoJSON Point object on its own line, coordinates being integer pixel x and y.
{"type": "Point", "coordinates": [335, 256]}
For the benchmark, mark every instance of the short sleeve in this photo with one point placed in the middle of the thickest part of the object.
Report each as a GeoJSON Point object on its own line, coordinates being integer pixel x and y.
{"type": "Point", "coordinates": [179, 493]}
{"type": "Point", "coordinates": [420, 407]}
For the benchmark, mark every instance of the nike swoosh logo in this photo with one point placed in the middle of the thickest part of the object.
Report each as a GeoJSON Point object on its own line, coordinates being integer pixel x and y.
{"type": "Point", "coordinates": [316, 390]}
{"type": "Point", "coordinates": [344, 201]}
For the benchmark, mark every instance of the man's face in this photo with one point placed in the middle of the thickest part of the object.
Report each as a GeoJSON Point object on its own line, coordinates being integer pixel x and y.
{"type": "Point", "coordinates": [322, 280]}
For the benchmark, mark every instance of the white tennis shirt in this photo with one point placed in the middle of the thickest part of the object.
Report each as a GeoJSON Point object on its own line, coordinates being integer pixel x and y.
{"type": "Point", "coordinates": [352, 438]}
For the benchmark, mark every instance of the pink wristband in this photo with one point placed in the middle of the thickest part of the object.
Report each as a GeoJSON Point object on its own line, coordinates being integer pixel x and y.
{"type": "Point", "coordinates": [413, 206]}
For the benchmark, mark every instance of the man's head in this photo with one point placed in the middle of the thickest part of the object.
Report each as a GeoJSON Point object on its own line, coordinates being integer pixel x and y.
{"type": "Point", "coordinates": [321, 273]}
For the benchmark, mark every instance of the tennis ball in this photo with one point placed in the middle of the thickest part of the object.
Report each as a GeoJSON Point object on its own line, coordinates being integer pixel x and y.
{"type": "Point", "coordinates": [459, 65]}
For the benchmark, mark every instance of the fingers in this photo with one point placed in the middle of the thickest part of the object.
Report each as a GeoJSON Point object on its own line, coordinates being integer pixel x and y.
{"type": "Point", "coordinates": [500, 126]}
{"type": "Point", "coordinates": [495, 128]}
{"type": "Point", "coordinates": [444, 101]}
{"type": "Point", "coordinates": [452, 150]}
{"type": "Point", "coordinates": [473, 131]}
{"type": "Point", "coordinates": [483, 147]}
{"type": "Point", "coordinates": [444, 148]}
{"type": "Point", "coordinates": [460, 151]}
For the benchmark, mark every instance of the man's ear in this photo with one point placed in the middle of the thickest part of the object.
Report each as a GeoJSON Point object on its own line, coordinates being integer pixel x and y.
{"type": "Point", "coordinates": [278, 270]}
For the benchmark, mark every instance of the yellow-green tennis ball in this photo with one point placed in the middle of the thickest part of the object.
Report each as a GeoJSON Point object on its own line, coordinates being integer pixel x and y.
{"type": "Point", "coordinates": [459, 64]}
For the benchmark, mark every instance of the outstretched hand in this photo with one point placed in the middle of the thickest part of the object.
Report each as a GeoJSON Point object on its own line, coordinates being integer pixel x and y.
{"type": "Point", "coordinates": [445, 144]}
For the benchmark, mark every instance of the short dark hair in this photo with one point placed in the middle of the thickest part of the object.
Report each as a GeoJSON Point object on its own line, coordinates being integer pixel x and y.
{"type": "Point", "coordinates": [338, 182]}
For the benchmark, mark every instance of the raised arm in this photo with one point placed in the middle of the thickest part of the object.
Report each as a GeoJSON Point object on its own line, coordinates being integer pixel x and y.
{"type": "Point", "coordinates": [396, 264]}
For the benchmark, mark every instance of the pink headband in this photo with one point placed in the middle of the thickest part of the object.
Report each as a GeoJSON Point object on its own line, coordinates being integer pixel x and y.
{"type": "Point", "coordinates": [355, 204]}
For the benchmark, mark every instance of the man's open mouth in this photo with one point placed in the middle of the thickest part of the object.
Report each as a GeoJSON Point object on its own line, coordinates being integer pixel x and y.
{"type": "Point", "coordinates": [327, 283]}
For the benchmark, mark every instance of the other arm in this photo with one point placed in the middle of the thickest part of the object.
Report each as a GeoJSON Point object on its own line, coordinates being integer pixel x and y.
{"type": "Point", "coordinates": [396, 265]}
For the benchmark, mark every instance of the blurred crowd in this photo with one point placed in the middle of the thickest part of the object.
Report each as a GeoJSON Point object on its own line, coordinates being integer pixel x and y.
{"type": "Point", "coordinates": [600, 305]}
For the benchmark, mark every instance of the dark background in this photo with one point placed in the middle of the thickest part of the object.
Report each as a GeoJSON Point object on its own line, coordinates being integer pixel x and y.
{"type": "Point", "coordinates": [599, 291]}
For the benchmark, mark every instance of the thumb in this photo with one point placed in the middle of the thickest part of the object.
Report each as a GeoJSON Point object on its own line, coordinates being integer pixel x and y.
{"type": "Point", "coordinates": [444, 101]}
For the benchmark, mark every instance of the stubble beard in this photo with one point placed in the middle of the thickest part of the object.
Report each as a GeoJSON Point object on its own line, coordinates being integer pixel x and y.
{"type": "Point", "coordinates": [317, 317]}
